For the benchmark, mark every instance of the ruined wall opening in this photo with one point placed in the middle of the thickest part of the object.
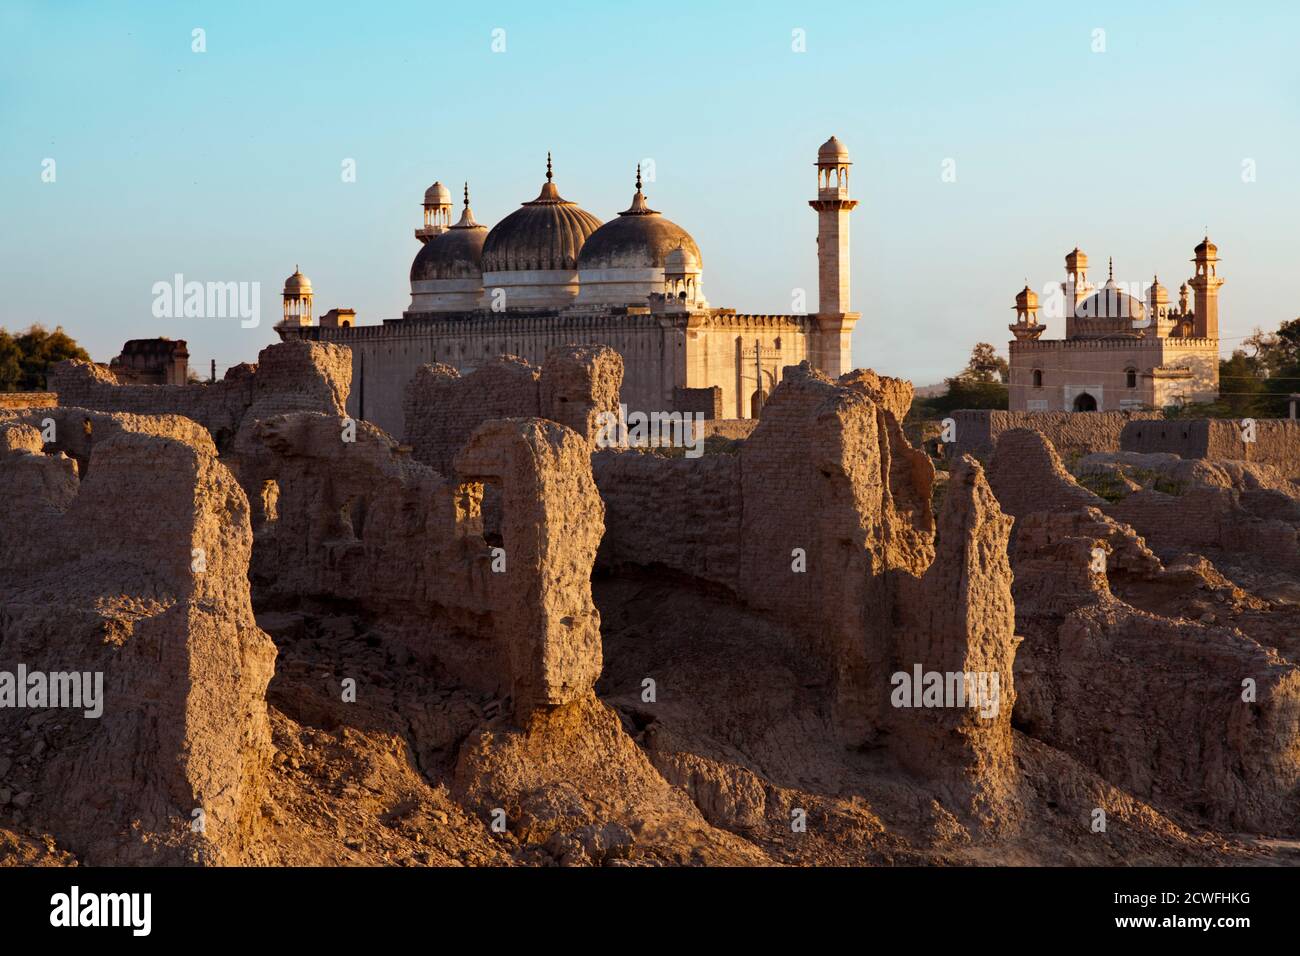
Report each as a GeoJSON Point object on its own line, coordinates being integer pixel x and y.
{"type": "Point", "coordinates": [268, 505]}
{"type": "Point", "coordinates": [479, 511]}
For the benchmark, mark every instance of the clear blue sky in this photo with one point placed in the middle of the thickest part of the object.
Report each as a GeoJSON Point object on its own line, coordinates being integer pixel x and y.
{"type": "Point", "coordinates": [225, 165]}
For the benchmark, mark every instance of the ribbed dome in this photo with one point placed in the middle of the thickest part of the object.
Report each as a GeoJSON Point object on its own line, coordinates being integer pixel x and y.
{"type": "Point", "coordinates": [1205, 247]}
{"type": "Point", "coordinates": [547, 233]}
{"type": "Point", "coordinates": [1027, 298]}
{"type": "Point", "coordinates": [640, 238]}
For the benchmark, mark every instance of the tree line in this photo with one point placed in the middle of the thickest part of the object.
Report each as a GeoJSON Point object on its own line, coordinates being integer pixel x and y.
{"type": "Point", "coordinates": [1255, 382]}
{"type": "Point", "coordinates": [26, 356]}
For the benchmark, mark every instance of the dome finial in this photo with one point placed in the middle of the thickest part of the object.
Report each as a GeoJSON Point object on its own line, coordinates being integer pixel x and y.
{"type": "Point", "coordinates": [1110, 267]}
{"type": "Point", "coordinates": [548, 165]}
{"type": "Point", "coordinates": [467, 215]}
{"type": "Point", "coordinates": [638, 207]}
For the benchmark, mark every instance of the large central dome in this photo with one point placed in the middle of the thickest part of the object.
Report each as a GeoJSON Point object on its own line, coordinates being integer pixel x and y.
{"type": "Point", "coordinates": [546, 234]}
{"type": "Point", "coordinates": [1110, 302]}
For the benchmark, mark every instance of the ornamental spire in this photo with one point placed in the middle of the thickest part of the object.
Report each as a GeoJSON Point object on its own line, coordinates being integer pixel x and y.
{"type": "Point", "coordinates": [638, 207]}
{"type": "Point", "coordinates": [467, 215]}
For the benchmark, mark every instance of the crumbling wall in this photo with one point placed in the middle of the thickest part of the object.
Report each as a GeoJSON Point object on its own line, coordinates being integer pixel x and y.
{"type": "Point", "coordinates": [1184, 505]}
{"type": "Point", "coordinates": [958, 618]}
{"type": "Point", "coordinates": [28, 399]}
{"type": "Point", "coordinates": [1027, 475]}
{"type": "Point", "coordinates": [730, 429]}
{"type": "Point", "coordinates": [349, 516]}
{"type": "Point", "coordinates": [541, 601]}
{"type": "Point", "coordinates": [171, 771]}
{"type": "Point", "coordinates": [1154, 704]}
{"type": "Point", "coordinates": [442, 408]}
{"type": "Point", "coordinates": [680, 513]}
{"type": "Point", "coordinates": [704, 401]}
{"type": "Point", "coordinates": [580, 383]}
{"type": "Point", "coordinates": [823, 520]}
{"type": "Point", "coordinates": [1072, 433]}
{"type": "Point", "coordinates": [1276, 441]}
{"type": "Point", "coordinates": [288, 376]}
{"type": "Point", "coordinates": [894, 394]}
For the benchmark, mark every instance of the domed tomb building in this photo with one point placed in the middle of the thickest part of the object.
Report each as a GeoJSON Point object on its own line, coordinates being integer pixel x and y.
{"type": "Point", "coordinates": [552, 274]}
{"type": "Point", "coordinates": [1124, 347]}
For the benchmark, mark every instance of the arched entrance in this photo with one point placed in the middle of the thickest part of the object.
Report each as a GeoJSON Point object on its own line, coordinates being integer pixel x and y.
{"type": "Point", "coordinates": [1085, 403]}
{"type": "Point", "coordinates": [756, 401]}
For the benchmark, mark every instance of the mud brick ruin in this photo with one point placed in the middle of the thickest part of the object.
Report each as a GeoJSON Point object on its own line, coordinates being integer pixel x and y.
{"type": "Point", "coordinates": [322, 643]}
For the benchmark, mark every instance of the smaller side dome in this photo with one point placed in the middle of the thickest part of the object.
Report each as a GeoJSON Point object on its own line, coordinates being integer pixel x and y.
{"type": "Point", "coordinates": [297, 284]}
{"type": "Point", "coordinates": [437, 195]}
{"type": "Point", "coordinates": [1158, 294]}
{"type": "Point", "coordinates": [681, 262]}
{"type": "Point", "coordinates": [447, 274]}
{"type": "Point", "coordinates": [833, 152]}
{"type": "Point", "coordinates": [456, 254]}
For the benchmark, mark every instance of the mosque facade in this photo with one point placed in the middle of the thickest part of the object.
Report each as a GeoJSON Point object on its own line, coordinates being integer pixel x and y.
{"type": "Point", "coordinates": [550, 274]}
{"type": "Point", "coordinates": [1120, 351]}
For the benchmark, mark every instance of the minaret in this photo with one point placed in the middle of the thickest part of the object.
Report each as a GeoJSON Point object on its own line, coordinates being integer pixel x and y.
{"type": "Point", "coordinates": [437, 212]}
{"type": "Point", "coordinates": [297, 300]}
{"type": "Point", "coordinates": [1026, 328]}
{"type": "Point", "coordinates": [1205, 285]}
{"type": "Point", "coordinates": [1075, 288]}
{"type": "Point", "coordinates": [834, 319]}
{"type": "Point", "coordinates": [1158, 308]}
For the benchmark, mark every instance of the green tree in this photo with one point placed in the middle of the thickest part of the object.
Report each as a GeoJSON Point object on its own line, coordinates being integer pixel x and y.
{"type": "Point", "coordinates": [981, 384]}
{"type": "Point", "coordinates": [986, 365]}
{"type": "Point", "coordinates": [965, 393]}
{"type": "Point", "coordinates": [1242, 389]}
{"type": "Point", "coordinates": [33, 352]}
{"type": "Point", "coordinates": [11, 363]}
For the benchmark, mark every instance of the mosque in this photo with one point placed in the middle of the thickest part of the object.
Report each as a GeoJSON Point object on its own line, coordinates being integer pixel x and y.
{"type": "Point", "coordinates": [551, 274]}
{"type": "Point", "coordinates": [1118, 352]}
